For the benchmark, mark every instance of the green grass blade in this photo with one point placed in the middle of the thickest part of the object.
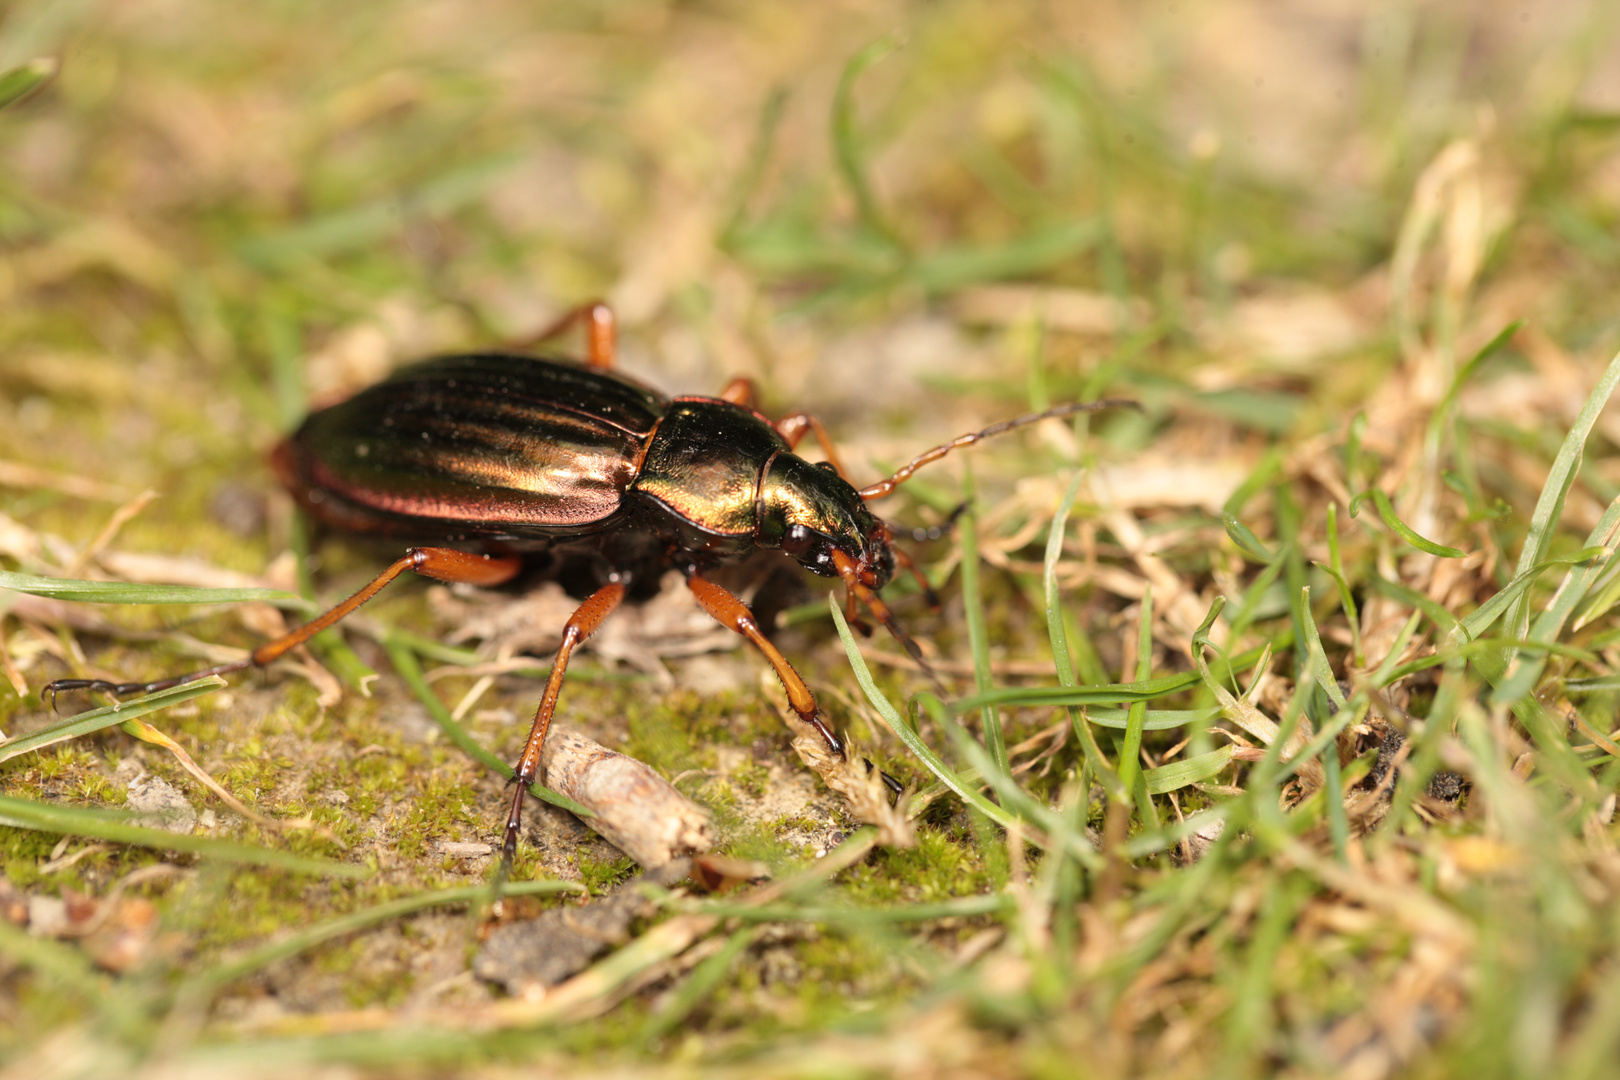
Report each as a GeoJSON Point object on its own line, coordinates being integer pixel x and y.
{"type": "Point", "coordinates": [404, 662]}
{"type": "Point", "coordinates": [1481, 618]}
{"type": "Point", "coordinates": [1550, 505]}
{"type": "Point", "coordinates": [1386, 512]}
{"type": "Point", "coordinates": [1104, 694]}
{"type": "Point", "coordinates": [128, 592]}
{"type": "Point", "coordinates": [1549, 624]}
{"type": "Point", "coordinates": [958, 267]}
{"type": "Point", "coordinates": [907, 734]}
{"type": "Point", "coordinates": [1179, 774]}
{"type": "Point", "coordinates": [1130, 751]}
{"type": "Point", "coordinates": [1101, 767]}
{"type": "Point", "coordinates": [1246, 541]}
{"type": "Point", "coordinates": [1436, 613]}
{"type": "Point", "coordinates": [1347, 599]}
{"type": "Point", "coordinates": [847, 143]}
{"type": "Point", "coordinates": [978, 635]}
{"type": "Point", "coordinates": [114, 827]}
{"type": "Point", "coordinates": [1338, 822]}
{"type": "Point", "coordinates": [107, 716]}
{"type": "Point", "coordinates": [1013, 797]}
{"type": "Point", "coordinates": [24, 79]}
{"type": "Point", "coordinates": [704, 980]}
{"type": "Point", "coordinates": [957, 908]}
{"type": "Point", "coordinates": [1152, 719]}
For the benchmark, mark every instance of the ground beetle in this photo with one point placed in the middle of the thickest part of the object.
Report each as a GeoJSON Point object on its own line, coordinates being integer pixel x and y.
{"type": "Point", "coordinates": [503, 454]}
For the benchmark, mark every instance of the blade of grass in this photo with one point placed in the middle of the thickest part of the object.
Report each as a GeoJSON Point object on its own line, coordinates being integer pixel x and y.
{"type": "Point", "coordinates": [1246, 541]}
{"type": "Point", "coordinates": [329, 643]}
{"type": "Point", "coordinates": [1481, 618]}
{"type": "Point", "coordinates": [1335, 569]}
{"type": "Point", "coordinates": [904, 731]}
{"type": "Point", "coordinates": [1386, 512]}
{"type": "Point", "coordinates": [1013, 797]}
{"type": "Point", "coordinates": [1437, 614]}
{"type": "Point", "coordinates": [978, 636]}
{"type": "Point", "coordinates": [1550, 622]}
{"type": "Point", "coordinates": [847, 144]}
{"type": "Point", "coordinates": [1130, 752]}
{"type": "Point", "coordinates": [955, 908]}
{"type": "Point", "coordinates": [113, 827]}
{"type": "Point", "coordinates": [1152, 719]}
{"type": "Point", "coordinates": [1098, 762]}
{"type": "Point", "coordinates": [957, 267]}
{"type": "Point", "coordinates": [24, 79]}
{"type": "Point", "coordinates": [1332, 783]}
{"type": "Point", "coordinates": [1179, 774]}
{"type": "Point", "coordinates": [1560, 478]}
{"type": "Point", "coordinates": [704, 980]}
{"type": "Point", "coordinates": [128, 592]}
{"type": "Point", "coordinates": [1384, 675]}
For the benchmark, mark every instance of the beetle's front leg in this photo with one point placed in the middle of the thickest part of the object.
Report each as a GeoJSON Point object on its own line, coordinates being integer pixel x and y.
{"type": "Point", "coordinates": [732, 613]}
{"type": "Point", "coordinates": [581, 625]}
{"type": "Point", "coordinates": [795, 426]}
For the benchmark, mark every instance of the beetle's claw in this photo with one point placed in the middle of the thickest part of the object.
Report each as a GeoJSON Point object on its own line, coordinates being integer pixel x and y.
{"type": "Point", "coordinates": [895, 787]}
{"type": "Point", "coordinates": [95, 686]}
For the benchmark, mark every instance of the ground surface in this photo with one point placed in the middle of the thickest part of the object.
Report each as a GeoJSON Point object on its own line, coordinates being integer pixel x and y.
{"type": "Point", "coordinates": [1357, 261]}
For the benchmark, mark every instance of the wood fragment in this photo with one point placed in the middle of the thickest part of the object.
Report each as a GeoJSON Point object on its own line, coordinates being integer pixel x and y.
{"type": "Point", "coordinates": [637, 810]}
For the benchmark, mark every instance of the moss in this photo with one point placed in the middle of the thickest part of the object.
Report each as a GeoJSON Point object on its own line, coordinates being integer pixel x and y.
{"type": "Point", "coordinates": [602, 875]}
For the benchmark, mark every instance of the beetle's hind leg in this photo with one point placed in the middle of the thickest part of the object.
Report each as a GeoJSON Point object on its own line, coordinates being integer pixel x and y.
{"type": "Point", "coordinates": [581, 625]}
{"type": "Point", "coordinates": [443, 564]}
{"type": "Point", "coordinates": [732, 613]}
{"type": "Point", "coordinates": [601, 333]}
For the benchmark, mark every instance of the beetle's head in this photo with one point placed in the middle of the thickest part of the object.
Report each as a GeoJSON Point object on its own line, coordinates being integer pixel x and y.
{"type": "Point", "coordinates": [818, 518]}
{"type": "Point", "coordinates": [815, 515]}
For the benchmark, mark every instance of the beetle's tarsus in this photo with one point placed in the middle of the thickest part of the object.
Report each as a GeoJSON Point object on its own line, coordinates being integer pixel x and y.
{"type": "Point", "coordinates": [102, 686]}
{"type": "Point", "coordinates": [835, 745]}
{"type": "Point", "coordinates": [895, 787]}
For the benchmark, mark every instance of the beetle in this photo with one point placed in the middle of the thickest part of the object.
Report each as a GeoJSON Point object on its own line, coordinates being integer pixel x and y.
{"type": "Point", "coordinates": [485, 458]}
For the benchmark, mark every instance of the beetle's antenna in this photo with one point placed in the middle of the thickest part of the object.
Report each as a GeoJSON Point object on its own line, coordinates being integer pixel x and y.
{"type": "Point", "coordinates": [886, 487]}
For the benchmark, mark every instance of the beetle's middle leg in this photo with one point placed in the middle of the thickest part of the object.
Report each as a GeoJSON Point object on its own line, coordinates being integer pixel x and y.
{"type": "Point", "coordinates": [581, 625]}
{"type": "Point", "coordinates": [442, 564]}
{"type": "Point", "coordinates": [732, 613]}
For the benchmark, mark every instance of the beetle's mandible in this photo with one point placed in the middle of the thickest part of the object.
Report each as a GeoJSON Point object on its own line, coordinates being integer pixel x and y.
{"type": "Point", "coordinates": [492, 456]}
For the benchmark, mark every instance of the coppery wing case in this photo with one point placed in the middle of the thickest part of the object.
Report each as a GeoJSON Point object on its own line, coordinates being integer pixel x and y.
{"type": "Point", "coordinates": [487, 445]}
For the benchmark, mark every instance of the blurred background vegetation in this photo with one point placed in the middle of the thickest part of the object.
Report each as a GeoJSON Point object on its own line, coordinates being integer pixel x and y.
{"type": "Point", "coordinates": [1262, 220]}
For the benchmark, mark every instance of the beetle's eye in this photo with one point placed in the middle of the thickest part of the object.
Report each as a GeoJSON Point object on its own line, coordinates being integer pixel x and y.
{"type": "Point", "coordinates": [829, 466]}
{"type": "Point", "coordinates": [799, 540]}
